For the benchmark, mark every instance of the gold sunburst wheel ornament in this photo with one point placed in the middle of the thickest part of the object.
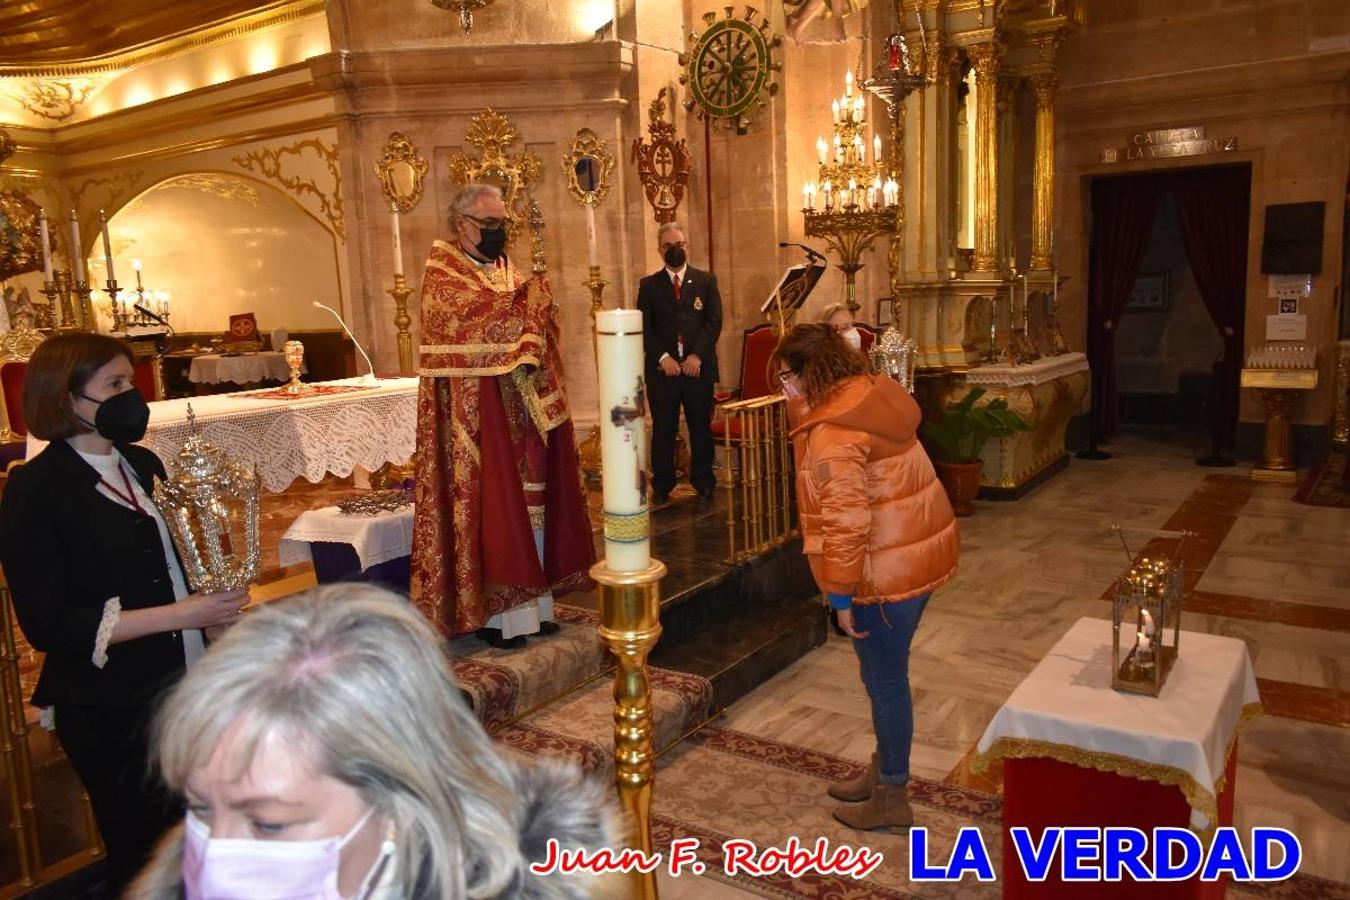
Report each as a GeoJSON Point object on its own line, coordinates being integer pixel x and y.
{"type": "Point", "coordinates": [465, 8]}
{"type": "Point", "coordinates": [492, 133]}
{"type": "Point", "coordinates": [729, 68]}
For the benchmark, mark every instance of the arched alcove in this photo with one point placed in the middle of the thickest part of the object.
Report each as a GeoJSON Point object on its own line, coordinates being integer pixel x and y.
{"type": "Point", "coordinates": [222, 243]}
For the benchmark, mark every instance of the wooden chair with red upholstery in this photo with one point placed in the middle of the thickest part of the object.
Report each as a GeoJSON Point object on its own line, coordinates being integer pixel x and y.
{"type": "Point", "coordinates": [757, 345]}
{"type": "Point", "coordinates": [15, 349]}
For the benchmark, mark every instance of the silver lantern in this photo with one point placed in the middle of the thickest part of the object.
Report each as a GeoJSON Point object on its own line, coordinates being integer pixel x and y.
{"type": "Point", "coordinates": [895, 355]}
{"type": "Point", "coordinates": [210, 503]}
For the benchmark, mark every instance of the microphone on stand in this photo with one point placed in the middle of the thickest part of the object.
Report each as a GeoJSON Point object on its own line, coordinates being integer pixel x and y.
{"type": "Point", "coordinates": [370, 374]}
{"type": "Point", "coordinates": [815, 255]}
{"type": "Point", "coordinates": [161, 340]}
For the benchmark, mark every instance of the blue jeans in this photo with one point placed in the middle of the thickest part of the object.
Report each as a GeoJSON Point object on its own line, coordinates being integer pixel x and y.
{"type": "Point", "coordinates": [884, 659]}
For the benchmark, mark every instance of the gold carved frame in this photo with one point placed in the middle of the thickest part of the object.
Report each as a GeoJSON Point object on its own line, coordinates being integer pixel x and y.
{"type": "Point", "coordinates": [588, 160]}
{"type": "Point", "coordinates": [401, 171]}
{"type": "Point", "coordinates": [492, 133]}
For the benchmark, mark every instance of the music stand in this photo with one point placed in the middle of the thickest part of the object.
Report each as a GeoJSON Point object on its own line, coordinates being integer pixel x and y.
{"type": "Point", "coordinates": [791, 292]}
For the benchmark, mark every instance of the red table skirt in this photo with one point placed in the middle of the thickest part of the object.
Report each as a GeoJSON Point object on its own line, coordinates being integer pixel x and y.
{"type": "Point", "coordinates": [1040, 793]}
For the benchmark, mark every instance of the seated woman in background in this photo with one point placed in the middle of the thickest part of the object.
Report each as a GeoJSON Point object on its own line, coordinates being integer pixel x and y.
{"type": "Point", "coordinates": [97, 584]}
{"type": "Point", "coordinates": [323, 751]}
{"type": "Point", "coordinates": [837, 316]}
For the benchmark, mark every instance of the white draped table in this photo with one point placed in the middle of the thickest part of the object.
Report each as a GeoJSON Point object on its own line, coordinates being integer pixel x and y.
{"type": "Point", "coordinates": [375, 539]}
{"type": "Point", "coordinates": [246, 368]}
{"type": "Point", "coordinates": [1066, 710]}
{"type": "Point", "coordinates": [289, 439]}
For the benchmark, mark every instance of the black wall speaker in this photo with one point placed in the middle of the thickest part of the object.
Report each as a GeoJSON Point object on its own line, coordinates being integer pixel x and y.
{"type": "Point", "coordinates": [1293, 244]}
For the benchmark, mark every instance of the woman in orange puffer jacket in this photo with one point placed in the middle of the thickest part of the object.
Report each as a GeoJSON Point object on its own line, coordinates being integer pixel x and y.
{"type": "Point", "coordinates": [879, 533]}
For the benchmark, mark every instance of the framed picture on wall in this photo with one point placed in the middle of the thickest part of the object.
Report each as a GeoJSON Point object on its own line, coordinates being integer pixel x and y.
{"type": "Point", "coordinates": [1150, 294]}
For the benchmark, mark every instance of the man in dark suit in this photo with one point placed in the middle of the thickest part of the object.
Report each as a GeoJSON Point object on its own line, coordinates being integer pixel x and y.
{"type": "Point", "coordinates": [682, 319]}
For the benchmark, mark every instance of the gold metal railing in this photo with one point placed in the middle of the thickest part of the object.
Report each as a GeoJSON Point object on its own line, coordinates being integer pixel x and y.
{"type": "Point", "coordinates": [762, 513]}
{"type": "Point", "coordinates": [18, 770]}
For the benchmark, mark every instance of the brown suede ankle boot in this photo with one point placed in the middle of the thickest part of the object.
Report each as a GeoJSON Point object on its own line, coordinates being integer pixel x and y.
{"type": "Point", "coordinates": [856, 789]}
{"type": "Point", "coordinates": [888, 808]}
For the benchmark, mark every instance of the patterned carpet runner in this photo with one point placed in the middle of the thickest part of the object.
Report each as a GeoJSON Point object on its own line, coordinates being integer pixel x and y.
{"type": "Point", "coordinates": [722, 784]}
{"type": "Point", "coordinates": [1327, 484]}
{"type": "Point", "coordinates": [549, 699]}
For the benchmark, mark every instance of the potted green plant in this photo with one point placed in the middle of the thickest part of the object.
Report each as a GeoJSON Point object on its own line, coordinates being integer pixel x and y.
{"type": "Point", "coordinates": [958, 438]}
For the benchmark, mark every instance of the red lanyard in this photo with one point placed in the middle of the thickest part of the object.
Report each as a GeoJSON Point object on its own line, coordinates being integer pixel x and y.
{"type": "Point", "coordinates": [129, 498]}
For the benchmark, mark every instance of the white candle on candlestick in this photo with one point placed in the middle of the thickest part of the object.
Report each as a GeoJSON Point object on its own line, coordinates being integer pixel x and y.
{"type": "Point", "coordinates": [623, 457]}
{"type": "Point", "coordinates": [876, 148]}
{"type": "Point", "coordinates": [848, 84]}
{"type": "Point", "coordinates": [398, 241]}
{"type": "Point", "coordinates": [107, 244]}
{"type": "Point", "coordinates": [1148, 621]}
{"type": "Point", "coordinates": [592, 246]}
{"type": "Point", "coordinates": [834, 109]}
{"type": "Point", "coordinates": [821, 149]}
{"type": "Point", "coordinates": [46, 247]}
{"type": "Point", "coordinates": [76, 252]}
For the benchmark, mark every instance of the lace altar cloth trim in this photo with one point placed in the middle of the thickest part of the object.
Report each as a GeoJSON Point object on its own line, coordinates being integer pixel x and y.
{"type": "Point", "coordinates": [376, 539]}
{"type": "Point", "coordinates": [287, 439]}
{"type": "Point", "coordinates": [1038, 372]}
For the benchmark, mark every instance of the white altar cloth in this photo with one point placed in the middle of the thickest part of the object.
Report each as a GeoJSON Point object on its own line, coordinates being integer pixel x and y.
{"type": "Point", "coordinates": [247, 368]}
{"type": "Point", "coordinates": [376, 539]}
{"type": "Point", "coordinates": [1065, 709]}
{"type": "Point", "coordinates": [287, 439]}
{"type": "Point", "coordinates": [1047, 368]}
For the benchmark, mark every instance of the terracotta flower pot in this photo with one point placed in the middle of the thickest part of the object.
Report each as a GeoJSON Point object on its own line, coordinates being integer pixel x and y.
{"type": "Point", "coordinates": [962, 481]}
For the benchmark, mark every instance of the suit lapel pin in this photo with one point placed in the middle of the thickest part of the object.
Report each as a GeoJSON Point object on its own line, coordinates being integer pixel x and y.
{"type": "Point", "coordinates": [698, 303]}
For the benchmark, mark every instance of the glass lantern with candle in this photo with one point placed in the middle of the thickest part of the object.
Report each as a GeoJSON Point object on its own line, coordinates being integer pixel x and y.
{"type": "Point", "coordinates": [1146, 616]}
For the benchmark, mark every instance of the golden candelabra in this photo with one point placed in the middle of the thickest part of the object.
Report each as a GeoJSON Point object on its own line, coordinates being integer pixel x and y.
{"type": "Point", "coordinates": [860, 198]}
{"type": "Point", "coordinates": [630, 625]}
{"type": "Point", "coordinates": [72, 308]}
{"type": "Point", "coordinates": [1058, 346]}
{"type": "Point", "coordinates": [1023, 347]}
{"type": "Point", "coordinates": [402, 322]}
{"type": "Point", "coordinates": [588, 451]}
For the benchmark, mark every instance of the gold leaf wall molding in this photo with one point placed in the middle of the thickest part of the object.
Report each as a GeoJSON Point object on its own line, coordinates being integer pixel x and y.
{"type": "Point", "coordinates": [269, 163]}
{"type": "Point", "coordinates": [57, 99]}
{"type": "Point", "coordinates": [117, 187]}
{"type": "Point", "coordinates": [223, 187]}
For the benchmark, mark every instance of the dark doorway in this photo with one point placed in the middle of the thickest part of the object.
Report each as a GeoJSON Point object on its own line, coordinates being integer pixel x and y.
{"type": "Point", "coordinates": [1167, 300]}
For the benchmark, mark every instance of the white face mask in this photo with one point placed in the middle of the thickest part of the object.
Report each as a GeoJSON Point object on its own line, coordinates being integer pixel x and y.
{"type": "Point", "coordinates": [854, 338]}
{"type": "Point", "coordinates": [246, 869]}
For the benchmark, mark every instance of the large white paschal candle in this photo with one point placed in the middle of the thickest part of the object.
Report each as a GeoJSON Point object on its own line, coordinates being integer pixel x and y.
{"type": "Point", "coordinates": [623, 453]}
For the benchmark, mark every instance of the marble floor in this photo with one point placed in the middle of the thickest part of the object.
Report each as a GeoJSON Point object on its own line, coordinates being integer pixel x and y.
{"type": "Point", "coordinates": [1271, 572]}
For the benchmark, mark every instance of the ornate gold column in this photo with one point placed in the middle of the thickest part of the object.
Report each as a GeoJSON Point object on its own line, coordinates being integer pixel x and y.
{"type": "Point", "coordinates": [1043, 186]}
{"type": "Point", "coordinates": [1340, 423]}
{"type": "Point", "coordinates": [987, 59]}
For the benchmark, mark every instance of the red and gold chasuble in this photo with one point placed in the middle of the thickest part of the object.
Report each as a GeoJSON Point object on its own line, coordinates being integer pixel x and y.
{"type": "Point", "coordinates": [495, 457]}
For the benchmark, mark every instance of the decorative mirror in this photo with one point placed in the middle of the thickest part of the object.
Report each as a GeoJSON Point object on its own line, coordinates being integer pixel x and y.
{"type": "Point", "coordinates": [588, 167]}
{"type": "Point", "coordinates": [401, 171]}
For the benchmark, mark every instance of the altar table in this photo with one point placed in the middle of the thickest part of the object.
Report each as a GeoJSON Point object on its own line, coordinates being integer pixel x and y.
{"type": "Point", "coordinates": [1048, 393]}
{"type": "Point", "coordinates": [1077, 753]}
{"type": "Point", "coordinates": [246, 368]}
{"type": "Point", "coordinates": [374, 548]}
{"type": "Point", "coordinates": [287, 439]}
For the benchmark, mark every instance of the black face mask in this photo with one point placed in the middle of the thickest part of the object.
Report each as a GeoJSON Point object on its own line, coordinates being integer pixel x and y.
{"type": "Point", "coordinates": [675, 257]}
{"type": "Point", "coordinates": [122, 417]}
{"type": "Point", "coordinates": [491, 242]}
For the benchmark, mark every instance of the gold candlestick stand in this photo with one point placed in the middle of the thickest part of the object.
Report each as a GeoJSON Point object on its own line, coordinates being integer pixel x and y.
{"type": "Point", "coordinates": [630, 624]}
{"type": "Point", "coordinates": [1276, 389]}
{"type": "Point", "coordinates": [401, 292]}
{"type": "Point", "coordinates": [588, 451]}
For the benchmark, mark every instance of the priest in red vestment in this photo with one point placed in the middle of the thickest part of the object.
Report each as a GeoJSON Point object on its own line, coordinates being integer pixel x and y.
{"type": "Point", "coordinates": [500, 525]}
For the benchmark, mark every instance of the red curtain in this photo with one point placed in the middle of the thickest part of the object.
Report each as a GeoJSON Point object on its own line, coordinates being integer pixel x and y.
{"type": "Point", "coordinates": [1214, 207]}
{"type": "Point", "coordinates": [1122, 220]}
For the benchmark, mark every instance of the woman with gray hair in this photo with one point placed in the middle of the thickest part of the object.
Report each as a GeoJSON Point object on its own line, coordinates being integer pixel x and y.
{"type": "Point", "coordinates": [324, 751]}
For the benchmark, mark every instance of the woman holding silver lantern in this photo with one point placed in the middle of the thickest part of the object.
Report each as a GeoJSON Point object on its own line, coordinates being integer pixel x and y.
{"type": "Point", "coordinates": [97, 584]}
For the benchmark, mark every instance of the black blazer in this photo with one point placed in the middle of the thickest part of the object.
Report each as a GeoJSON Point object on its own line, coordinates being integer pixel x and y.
{"type": "Point", "coordinates": [697, 318]}
{"type": "Point", "coordinates": [67, 549]}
